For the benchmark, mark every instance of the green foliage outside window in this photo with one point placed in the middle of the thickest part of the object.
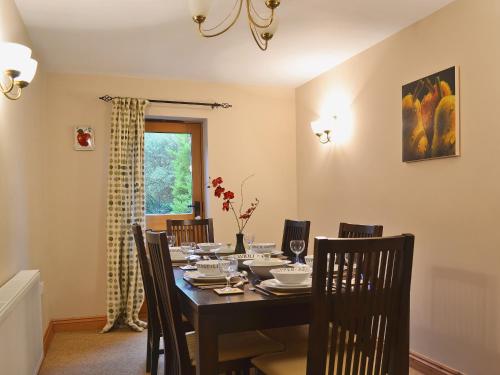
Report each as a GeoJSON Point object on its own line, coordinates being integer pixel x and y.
{"type": "Point", "coordinates": [167, 173]}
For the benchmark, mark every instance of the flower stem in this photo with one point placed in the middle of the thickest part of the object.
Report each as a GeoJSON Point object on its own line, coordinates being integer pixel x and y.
{"type": "Point", "coordinates": [240, 229]}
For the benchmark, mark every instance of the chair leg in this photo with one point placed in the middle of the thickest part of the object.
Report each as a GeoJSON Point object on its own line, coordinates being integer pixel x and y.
{"type": "Point", "coordinates": [148, 352]}
{"type": "Point", "coordinates": [155, 355]}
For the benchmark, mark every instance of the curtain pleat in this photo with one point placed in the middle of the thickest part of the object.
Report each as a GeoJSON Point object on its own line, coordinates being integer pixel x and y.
{"type": "Point", "coordinates": [125, 293]}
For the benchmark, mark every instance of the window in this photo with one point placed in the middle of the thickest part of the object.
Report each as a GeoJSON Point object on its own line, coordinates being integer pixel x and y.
{"type": "Point", "coordinates": [172, 172]}
{"type": "Point", "coordinates": [167, 173]}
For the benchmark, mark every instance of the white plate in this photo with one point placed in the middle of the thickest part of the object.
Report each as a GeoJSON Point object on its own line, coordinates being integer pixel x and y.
{"type": "Point", "coordinates": [274, 252]}
{"type": "Point", "coordinates": [175, 248]}
{"type": "Point", "coordinates": [196, 275]}
{"type": "Point", "coordinates": [275, 284]}
{"type": "Point", "coordinates": [222, 250]}
{"type": "Point", "coordinates": [270, 264]}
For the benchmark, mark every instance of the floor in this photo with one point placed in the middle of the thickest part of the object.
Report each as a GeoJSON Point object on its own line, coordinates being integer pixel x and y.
{"type": "Point", "coordinates": [121, 352]}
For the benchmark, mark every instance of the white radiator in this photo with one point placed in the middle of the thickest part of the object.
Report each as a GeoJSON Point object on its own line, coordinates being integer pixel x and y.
{"type": "Point", "coordinates": [21, 337]}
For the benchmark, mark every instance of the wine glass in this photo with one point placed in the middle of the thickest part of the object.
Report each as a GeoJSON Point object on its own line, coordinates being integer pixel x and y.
{"type": "Point", "coordinates": [171, 240]}
{"type": "Point", "coordinates": [228, 267]}
{"type": "Point", "coordinates": [297, 247]}
{"type": "Point", "coordinates": [249, 239]}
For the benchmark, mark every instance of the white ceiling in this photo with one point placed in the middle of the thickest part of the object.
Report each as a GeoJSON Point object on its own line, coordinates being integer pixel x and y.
{"type": "Point", "coordinates": [156, 38]}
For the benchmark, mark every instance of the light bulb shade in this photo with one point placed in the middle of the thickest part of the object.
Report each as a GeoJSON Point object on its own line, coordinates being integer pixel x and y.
{"type": "Point", "coordinates": [199, 7]}
{"type": "Point", "coordinates": [13, 56]}
{"type": "Point", "coordinates": [28, 71]}
{"type": "Point", "coordinates": [271, 29]}
{"type": "Point", "coordinates": [322, 125]}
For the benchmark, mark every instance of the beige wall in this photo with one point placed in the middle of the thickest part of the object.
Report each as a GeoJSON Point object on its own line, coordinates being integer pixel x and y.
{"type": "Point", "coordinates": [22, 164]}
{"type": "Point", "coordinates": [452, 205]}
{"type": "Point", "coordinates": [256, 136]}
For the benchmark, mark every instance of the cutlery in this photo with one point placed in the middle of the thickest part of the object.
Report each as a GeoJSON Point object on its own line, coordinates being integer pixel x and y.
{"type": "Point", "coordinates": [258, 290]}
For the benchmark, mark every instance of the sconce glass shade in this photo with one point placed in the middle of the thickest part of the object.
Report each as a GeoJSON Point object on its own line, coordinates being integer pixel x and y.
{"type": "Point", "coordinates": [322, 125]}
{"type": "Point", "coordinates": [28, 71]}
{"type": "Point", "coordinates": [199, 7]}
{"type": "Point", "coordinates": [13, 56]}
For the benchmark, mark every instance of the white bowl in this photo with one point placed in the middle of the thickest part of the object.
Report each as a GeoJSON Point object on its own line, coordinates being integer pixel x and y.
{"type": "Point", "coordinates": [263, 268]}
{"type": "Point", "coordinates": [209, 267]}
{"type": "Point", "coordinates": [291, 275]}
{"type": "Point", "coordinates": [177, 255]}
{"type": "Point", "coordinates": [262, 248]}
{"type": "Point", "coordinates": [207, 246]}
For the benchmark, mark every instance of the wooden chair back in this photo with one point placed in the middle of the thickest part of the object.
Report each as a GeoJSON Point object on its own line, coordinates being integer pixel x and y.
{"type": "Point", "coordinates": [198, 231]}
{"type": "Point", "coordinates": [147, 279]}
{"type": "Point", "coordinates": [169, 311]}
{"type": "Point", "coordinates": [359, 231]}
{"type": "Point", "coordinates": [363, 326]}
{"type": "Point", "coordinates": [295, 230]}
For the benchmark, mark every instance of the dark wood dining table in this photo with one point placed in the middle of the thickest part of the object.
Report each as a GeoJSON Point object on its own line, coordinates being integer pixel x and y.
{"type": "Point", "coordinates": [212, 315]}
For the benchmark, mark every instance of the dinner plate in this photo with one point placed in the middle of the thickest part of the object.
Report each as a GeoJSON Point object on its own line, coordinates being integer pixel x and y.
{"type": "Point", "coordinates": [196, 275]}
{"type": "Point", "coordinates": [275, 284]}
{"type": "Point", "coordinates": [222, 250]}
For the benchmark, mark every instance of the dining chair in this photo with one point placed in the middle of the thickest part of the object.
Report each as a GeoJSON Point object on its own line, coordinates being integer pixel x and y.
{"type": "Point", "coordinates": [359, 230]}
{"type": "Point", "coordinates": [295, 230]}
{"type": "Point", "coordinates": [235, 350]}
{"type": "Point", "coordinates": [377, 305]}
{"type": "Point", "coordinates": [154, 328]}
{"type": "Point", "coordinates": [200, 230]}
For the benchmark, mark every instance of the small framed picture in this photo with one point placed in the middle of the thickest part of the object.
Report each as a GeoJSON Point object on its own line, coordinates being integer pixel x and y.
{"type": "Point", "coordinates": [84, 139]}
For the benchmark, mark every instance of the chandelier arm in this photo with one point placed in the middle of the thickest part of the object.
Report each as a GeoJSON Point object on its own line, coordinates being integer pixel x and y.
{"type": "Point", "coordinates": [262, 44]}
{"type": "Point", "coordinates": [252, 20]}
{"type": "Point", "coordinates": [9, 95]}
{"type": "Point", "coordinates": [9, 88]}
{"type": "Point", "coordinates": [206, 35]}
{"type": "Point", "coordinates": [257, 13]}
{"type": "Point", "coordinates": [225, 19]}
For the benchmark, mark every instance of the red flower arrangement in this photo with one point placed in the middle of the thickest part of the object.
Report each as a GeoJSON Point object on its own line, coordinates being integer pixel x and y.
{"type": "Point", "coordinates": [242, 217]}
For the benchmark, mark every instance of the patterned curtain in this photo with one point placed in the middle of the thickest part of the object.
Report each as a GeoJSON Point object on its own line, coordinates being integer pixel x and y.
{"type": "Point", "coordinates": [125, 207]}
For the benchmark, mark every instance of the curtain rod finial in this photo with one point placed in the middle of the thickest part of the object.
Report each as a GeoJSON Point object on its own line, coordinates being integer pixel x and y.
{"type": "Point", "coordinates": [106, 98]}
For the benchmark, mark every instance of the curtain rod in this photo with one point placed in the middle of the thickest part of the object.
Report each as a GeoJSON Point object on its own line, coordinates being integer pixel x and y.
{"type": "Point", "coordinates": [108, 98]}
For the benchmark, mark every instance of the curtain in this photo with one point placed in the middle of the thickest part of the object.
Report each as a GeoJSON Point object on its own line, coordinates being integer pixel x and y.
{"type": "Point", "coordinates": [125, 293]}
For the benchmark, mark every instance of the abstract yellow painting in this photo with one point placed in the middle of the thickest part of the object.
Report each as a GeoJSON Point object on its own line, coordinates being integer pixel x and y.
{"type": "Point", "coordinates": [431, 117]}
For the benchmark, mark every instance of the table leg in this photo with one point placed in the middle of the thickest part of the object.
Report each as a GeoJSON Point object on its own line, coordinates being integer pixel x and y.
{"type": "Point", "coordinates": [207, 350]}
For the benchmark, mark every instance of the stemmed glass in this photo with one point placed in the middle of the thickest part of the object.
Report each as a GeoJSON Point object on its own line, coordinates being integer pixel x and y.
{"type": "Point", "coordinates": [228, 267]}
{"type": "Point", "coordinates": [297, 247]}
{"type": "Point", "coordinates": [249, 239]}
{"type": "Point", "coordinates": [188, 248]}
{"type": "Point", "coordinates": [171, 240]}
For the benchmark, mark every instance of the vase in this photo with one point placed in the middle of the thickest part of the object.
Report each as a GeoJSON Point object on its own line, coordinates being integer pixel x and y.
{"type": "Point", "coordinates": [240, 247]}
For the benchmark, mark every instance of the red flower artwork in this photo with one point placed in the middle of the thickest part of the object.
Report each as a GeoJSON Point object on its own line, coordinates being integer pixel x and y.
{"type": "Point", "coordinates": [228, 196]}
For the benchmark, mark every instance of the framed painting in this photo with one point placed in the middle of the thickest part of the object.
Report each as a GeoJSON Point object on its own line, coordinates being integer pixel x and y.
{"type": "Point", "coordinates": [83, 139]}
{"type": "Point", "coordinates": [431, 121]}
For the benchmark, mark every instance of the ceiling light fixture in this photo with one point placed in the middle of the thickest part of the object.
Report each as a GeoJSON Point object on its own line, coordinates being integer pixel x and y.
{"type": "Point", "coordinates": [263, 28]}
{"type": "Point", "coordinates": [18, 68]}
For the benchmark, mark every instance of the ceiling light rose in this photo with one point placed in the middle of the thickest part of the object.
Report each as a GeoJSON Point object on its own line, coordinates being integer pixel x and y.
{"type": "Point", "coordinates": [18, 68]}
{"type": "Point", "coordinates": [262, 27]}
{"type": "Point", "coordinates": [323, 129]}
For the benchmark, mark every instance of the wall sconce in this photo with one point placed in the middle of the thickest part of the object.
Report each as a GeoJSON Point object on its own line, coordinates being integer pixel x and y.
{"type": "Point", "coordinates": [323, 129]}
{"type": "Point", "coordinates": [18, 68]}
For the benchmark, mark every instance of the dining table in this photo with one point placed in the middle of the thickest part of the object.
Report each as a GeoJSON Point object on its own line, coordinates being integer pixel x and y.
{"type": "Point", "coordinates": [212, 315]}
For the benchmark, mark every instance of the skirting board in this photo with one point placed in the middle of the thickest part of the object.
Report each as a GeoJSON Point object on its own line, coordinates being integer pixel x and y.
{"type": "Point", "coordinates": [417, 361]}
{"type": "Point", "coordinates": [94, 323]}
{"type": "Point", "coordinates": [428, 366]}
